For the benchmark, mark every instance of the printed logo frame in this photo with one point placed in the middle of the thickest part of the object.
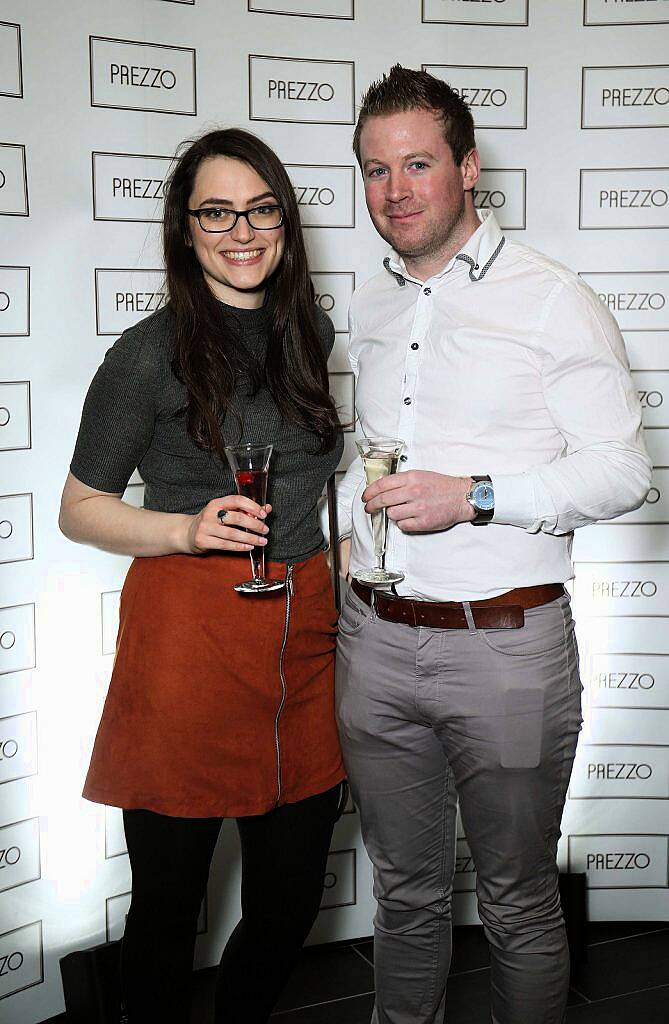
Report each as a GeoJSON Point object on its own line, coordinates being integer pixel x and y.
{"type": "Point", "coordinates": [615, 227]}
{"type": "Point", "coordinates": [498, 24]}
{"type": "Point", "coordinates": [599, 24]}
{"type": "Point", "coordinates": [142, 43]}
{"type": "Point", "coordinates": [299, 60]}
{"type": "Point", "coordinates": [26, 332]}
{"type": "Point", "coordinates": [24, 173]}
{"type": "Point", "coordinates": [494, 67]}
{"type": "Point", "coordinates": [40, 979]}
{"type": "Point", "coordinates": [571, 857]}
{"type": "Point", "coordinates": [122, 156]}
{"type": "Point", "coordinates": [303, 14]}
{"type": "Point", "coordinates": [19, 63]}
{"type": "Point", "coordinates": [616, 126]}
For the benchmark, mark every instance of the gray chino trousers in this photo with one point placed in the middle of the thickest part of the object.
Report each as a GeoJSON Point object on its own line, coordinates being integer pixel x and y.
{"type": "Point", "coordinates": [490, 718]}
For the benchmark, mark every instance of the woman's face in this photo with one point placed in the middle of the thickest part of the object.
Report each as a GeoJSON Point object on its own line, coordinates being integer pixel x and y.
{"type": "Point", "coordinates": [236, 264]}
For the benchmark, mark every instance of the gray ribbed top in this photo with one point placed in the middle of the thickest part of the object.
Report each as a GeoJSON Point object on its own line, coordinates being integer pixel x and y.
{"type": "Point", "coordinates": [131, 419]}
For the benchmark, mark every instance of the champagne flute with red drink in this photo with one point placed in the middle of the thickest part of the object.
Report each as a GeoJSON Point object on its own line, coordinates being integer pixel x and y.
{"type": "Point", "coordinates": [250, 465]}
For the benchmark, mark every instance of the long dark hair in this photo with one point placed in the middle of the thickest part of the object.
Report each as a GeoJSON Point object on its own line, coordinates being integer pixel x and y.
{"type": "Point", "coordinates": [206, 359]}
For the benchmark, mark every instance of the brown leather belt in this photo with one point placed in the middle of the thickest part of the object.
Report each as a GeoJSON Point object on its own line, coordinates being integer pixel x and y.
{"type": "Point", "coordinates": [506, 611]}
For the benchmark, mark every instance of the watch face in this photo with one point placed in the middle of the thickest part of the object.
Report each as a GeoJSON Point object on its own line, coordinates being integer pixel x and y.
{"type": "Point", "coordinates": [483, 496]}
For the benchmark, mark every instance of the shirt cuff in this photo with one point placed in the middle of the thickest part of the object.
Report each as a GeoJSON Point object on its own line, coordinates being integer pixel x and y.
{"type": "Point", "coordinates": [343, 530]}
{"type": "Point", "coordinates": [323, 518]}
{"type": "Point", "coordinates": [515, 503]}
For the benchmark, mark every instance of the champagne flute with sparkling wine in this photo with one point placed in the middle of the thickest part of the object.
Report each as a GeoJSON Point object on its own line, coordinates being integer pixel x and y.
{"type": "Point", "coordinates": [380, 456]}
{"type": "Point", "coordinates": [250, 465]}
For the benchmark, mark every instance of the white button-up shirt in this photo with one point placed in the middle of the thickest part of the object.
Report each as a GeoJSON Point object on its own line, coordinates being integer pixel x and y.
{"type": "Point", "coordinates": [503, 364]}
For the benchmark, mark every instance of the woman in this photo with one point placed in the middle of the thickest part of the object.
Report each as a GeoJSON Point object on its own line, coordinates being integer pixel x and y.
{"type": "Point", "coordinates": [220, 704]}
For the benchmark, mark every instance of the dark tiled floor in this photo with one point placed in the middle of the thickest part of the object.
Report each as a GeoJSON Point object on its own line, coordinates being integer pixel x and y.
{"type": "Point", "coordinates": [624, 981]}
{"type": "Point", "coordinates": [327, 973]}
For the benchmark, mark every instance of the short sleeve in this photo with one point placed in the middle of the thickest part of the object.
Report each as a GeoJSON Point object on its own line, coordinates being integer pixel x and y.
{"type": "Point", "coordinates": [117, 421]}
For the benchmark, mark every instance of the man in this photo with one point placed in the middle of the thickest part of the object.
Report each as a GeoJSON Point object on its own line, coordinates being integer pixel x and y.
{"type": "Point", "coordinates": [507, 380]}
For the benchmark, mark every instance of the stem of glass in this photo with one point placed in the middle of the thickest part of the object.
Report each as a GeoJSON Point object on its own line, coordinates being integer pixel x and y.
{"type": "Point", "coordinates": [379, 531]}
{"type": "Point", "coordinates": [257, 556]}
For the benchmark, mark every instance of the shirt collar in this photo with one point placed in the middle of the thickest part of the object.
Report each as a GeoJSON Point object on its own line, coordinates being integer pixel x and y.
{"type": "Point", "coordinates": [479, 251]}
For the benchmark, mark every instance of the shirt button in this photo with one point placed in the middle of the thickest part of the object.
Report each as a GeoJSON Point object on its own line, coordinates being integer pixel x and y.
{"type": "Point", "coordinates": [414, 345]}
{"type": "Point", "coordinates": [427, 291]}
{"type": "Point", "coordinates": [403, 458]}
{"type": "Point", "coordinates": [407, 401]}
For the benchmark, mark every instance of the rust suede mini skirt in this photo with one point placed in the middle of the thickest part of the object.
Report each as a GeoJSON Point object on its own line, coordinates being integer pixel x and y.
{"type": "Point", "coordinates": [220, 704]}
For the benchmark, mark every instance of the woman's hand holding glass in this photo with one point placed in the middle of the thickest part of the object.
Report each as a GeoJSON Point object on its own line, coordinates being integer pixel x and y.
{"type": "Point", "coordinates": [209, 531]}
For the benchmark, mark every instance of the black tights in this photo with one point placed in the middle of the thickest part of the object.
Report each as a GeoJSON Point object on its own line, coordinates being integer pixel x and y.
{"type": "Point", "coordinates": [284, 855]}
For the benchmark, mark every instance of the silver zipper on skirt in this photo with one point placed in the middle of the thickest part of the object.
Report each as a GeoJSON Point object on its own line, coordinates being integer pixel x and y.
{"type": "Point", "coordinates": [282, 657]}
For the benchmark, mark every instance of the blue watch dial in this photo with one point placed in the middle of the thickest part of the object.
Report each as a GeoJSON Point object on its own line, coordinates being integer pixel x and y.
{"type": "Point", "coordinates": [483, 496]}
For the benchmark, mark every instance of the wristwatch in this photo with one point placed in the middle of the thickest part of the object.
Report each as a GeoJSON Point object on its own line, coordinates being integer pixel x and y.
{"type": "Point", "coordinates": [481, 497]}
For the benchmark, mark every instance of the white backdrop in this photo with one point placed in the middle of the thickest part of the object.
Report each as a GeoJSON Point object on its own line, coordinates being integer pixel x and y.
{"type": "Point", "coordinates": [571, 100]}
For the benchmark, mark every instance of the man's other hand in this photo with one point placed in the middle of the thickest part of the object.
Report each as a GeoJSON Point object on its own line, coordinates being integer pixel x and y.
{"type": "Point", "coordinates": [420, 501]}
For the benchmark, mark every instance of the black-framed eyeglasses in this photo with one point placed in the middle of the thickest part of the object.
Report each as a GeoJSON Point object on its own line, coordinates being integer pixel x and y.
{"type": "Point", "coordinates": [217, 219]}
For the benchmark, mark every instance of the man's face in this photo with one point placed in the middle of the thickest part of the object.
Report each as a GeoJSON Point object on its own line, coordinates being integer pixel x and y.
{"type": "Point", "coordinates": [416, 194]}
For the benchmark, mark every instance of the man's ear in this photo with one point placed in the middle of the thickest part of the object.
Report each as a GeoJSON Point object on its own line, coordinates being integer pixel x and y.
{"type": "Point", "coordinates": [470, 169]}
